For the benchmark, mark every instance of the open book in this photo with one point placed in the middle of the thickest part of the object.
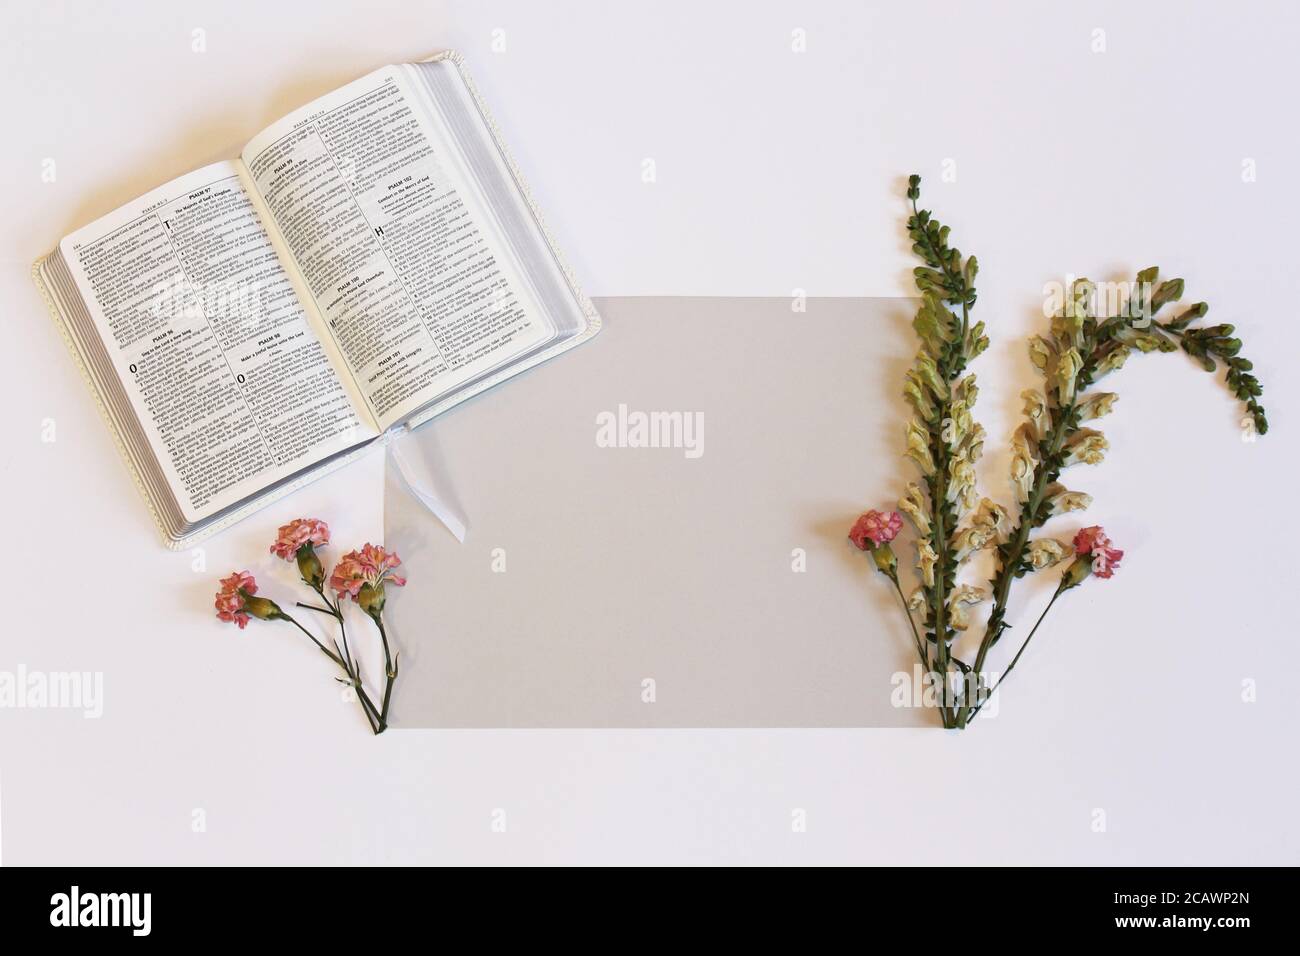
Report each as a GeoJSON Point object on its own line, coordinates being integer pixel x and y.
{"type": "Point", "coordinates": [365, 263]}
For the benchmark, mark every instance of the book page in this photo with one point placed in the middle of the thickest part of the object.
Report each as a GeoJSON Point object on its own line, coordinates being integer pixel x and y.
{"type": "Point", "coordinates": [405, 265]}
{"type": "Point", "coordinates": [224, 372]}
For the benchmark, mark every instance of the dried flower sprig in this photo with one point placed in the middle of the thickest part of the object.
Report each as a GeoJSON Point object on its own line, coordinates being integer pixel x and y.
{"type": "Point", "coordinates": [1093, 556]}
{"type": "Point", "coordinates": [945, 442]}
{"type": "Point", "coordinates": [943, 439]}
{"type": "Point", "coordinates": [360, 575]}
{"type": "Point", "coordinates": [297, 541]}
{"type": "Point", "coordinates": [237, 603]}
{"type": "Point", "coordinates": [1205, 343]}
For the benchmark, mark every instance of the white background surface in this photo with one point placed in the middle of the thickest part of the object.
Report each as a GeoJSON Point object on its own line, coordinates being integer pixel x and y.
{"type": "Point", "coordinates": [775, 171]}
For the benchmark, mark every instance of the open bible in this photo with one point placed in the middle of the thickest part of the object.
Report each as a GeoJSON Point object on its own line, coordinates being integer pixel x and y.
{"type": "Point", "coordinates": [364, 264]}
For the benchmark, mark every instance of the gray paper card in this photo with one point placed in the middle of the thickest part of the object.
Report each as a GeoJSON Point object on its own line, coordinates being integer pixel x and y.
{"type": "Point", "coordinates": [657, 528]}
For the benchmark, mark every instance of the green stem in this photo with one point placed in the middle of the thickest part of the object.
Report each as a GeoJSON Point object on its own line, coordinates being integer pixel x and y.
{"type": "Point", "coordinates": [335, 609]}
{"type": "Point", "coordinates": [920, 645]}
{"type": "Point", "coordinates": [939, 595]}
{"type": "Point", "coordinates": [381, 718]}
{"type": "Point", "coordinates": [938, 491]}
{"type": "Point", "coordinates": [313, 607]}
{"type": "Point", "coordinates": [367, 706]}
{"type": "Point", "coordinates": [1045, 472]}
{"type": "Point", "coordinates": [377, 723]}
{"type": "Point", "coordinates": [1059, 591]}
{"type": "Point", "coordinates": [390, 670]}
{"type": "Point", "coordinates": [311, 637]}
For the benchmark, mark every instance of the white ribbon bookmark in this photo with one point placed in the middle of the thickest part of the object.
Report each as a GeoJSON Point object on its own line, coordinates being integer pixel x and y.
{"type": "Point", "coordinates": [418, 479]}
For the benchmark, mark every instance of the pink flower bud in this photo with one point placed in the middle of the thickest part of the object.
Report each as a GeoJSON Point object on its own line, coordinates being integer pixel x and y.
{"type": "Point", "coordinates": [874, 529]}
{"type": "Point", "coordinates": [361, 575]}
{"type": "Point", "coordinates": [1094, 543]}
{"type": "Point", "coordinates": [236, 602]}
{"type": "Point", "coordinates": [297, 533]}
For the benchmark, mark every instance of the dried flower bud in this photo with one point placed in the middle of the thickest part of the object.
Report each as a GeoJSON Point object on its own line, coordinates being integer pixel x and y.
{"type": "Point", "coordinates": [1189, 315]}
{"type": "Point", "coordinates": [992, 516]}
{"type": "Point", "coordinates": [919, 396]}
{"type": "Point", "coordinates": [1147, 342]}
{"type": "Point", "coordinates": [912, 504]}
{"type": "Point", "coordinates": [1082, 297]}
{"type": "Point", "coordinates": [969, 540]}
{"type": "Point", "coordinates": [1066, 373]}
{"type": "Point", "coordinates": [1067, 329]}
{"type": "Point", "coordinates": [1148, 275]}
{"type": "Point", "coordinates": [875, 528]}
{"type": "Point", "coordinates": [925, 561]}
{"type": "Point", "coordinates": [236, 601]}
{"type": "Point", "coordinates": [1042, 353]}
{"type": "Point", "coordinates": [1036, 412]}
{"type": "Point", "coordinates": [886, 562]}
{"type": "Point", "coordinates": [1062, 501]}
{"type": "Point", "coordinates": [1093, 542]}
{"type": "Point", "coordinates": [927, 373]}
{"type": "Point", "coordinates": [1096, 405]}
{"type": "Point", "coordinates": [297, 541]}
{"type": "Point", "coordinates": [290, 538]}
{"type": "Point", "coordinates": [966, 392]}
{"type": "Point", "coordinates": [362, 575]}
{"type": "Point", "coordinates": [961, 478]}
{"type": "Point", "coordinates": [1113, 360]}
{"type": "Point", "coordinates": [972, 446]}
{"type": "Point", "coordinates": [1075, 574]}
{"type": "Point", "coordinates": [955, 428]}
{"type": "Point", "coordinates": [918, 447]}
{"type": "Point", "coordinates": [976, 340]}
{"type": "Point", "coordinates": [1087, 446]}
{"type": "Point", "coordinates": [1023, 462]}
{"type": "Point", "coordinates": [1045, 552]}
{"type": "Point", "coordinates": [963, 596]}
{"type": "Point", "coordinates": [263, 609]}
{"type": "Point", "coordinates": [935, 326]}
{"type": "Point", "coordinates": [1171, 290]}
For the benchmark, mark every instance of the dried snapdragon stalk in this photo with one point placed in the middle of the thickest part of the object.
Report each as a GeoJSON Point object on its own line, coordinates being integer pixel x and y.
{"type": "Point", "coordinates": [945, 442]}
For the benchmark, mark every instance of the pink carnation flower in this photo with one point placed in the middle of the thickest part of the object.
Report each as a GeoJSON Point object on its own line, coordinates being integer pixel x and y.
{"type": "Point", "coordinates": [298, 532]}
{"type": "Point", "coordinates": [1094, 542]}
{"type": "Point", "coordinates": [230, 599]}
{"type": "Point", "coordinates": [878, 527]}
{"type": "Point", "coordinates": [372, 566]}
